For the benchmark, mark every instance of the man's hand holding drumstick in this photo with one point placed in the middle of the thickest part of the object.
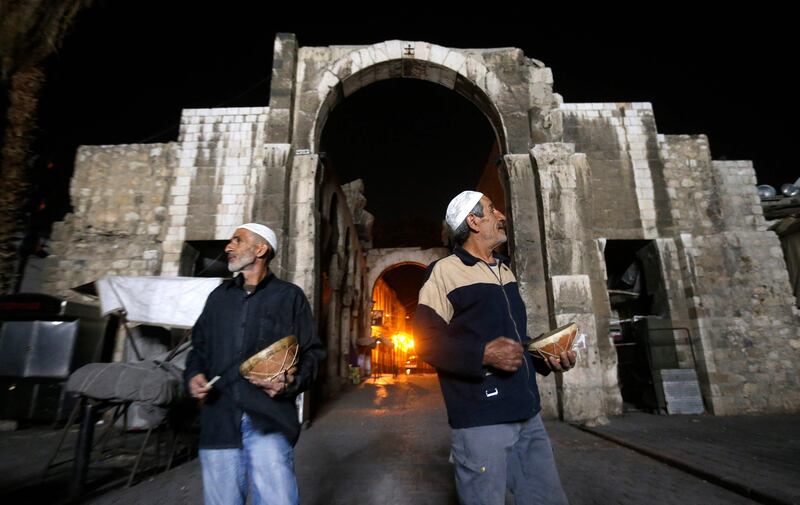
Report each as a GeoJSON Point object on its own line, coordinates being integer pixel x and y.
{"type": "Point", "coordinates": [199, 386]}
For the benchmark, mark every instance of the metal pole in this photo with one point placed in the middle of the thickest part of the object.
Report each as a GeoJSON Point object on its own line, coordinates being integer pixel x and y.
{"type": "Point", "coordinates": [83, 450]}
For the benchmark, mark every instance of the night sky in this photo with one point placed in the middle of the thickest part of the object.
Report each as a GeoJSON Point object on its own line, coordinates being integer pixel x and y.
{"type": "Point", "coordinates": [127, 69]}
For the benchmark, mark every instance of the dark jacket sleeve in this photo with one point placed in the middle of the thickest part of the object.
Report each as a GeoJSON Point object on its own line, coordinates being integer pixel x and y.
{"type": "Point", "coordinates": [434, 341]}
{"type": "Point", "coordinates": [197, 361]}
{"type": "Point", "coordinates": [312, 352]}
{"type": "Point", "coordinates": [438, 348]}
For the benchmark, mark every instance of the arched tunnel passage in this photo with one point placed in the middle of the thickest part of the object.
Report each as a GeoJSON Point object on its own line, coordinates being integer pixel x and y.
{"type": "Point", "coordinates": [391, 344]}
{"type": "Point", "coordinates": [392, 154]}
{"type": "Point", "coordinates": [415, 144]}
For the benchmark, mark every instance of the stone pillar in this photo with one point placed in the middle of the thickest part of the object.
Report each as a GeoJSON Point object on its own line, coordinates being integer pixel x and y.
{"type": "Point", "coordinates": [675, 292]}
{"type": "Point", "coordinates": [272, 202]}
{"type": "Point", "coordinates": [334, 331]}
{"type": "Point", "coordinates": [528, 258]}
{"type": "Point", "coordinates": [270, 206]}
{"type": "Point", "coordinates": [281, 90]}
{"type": "Point", "coordinates": [302, 263]}
{"type": "Point", "coordinates": [577, 276]}
{"type": "Point", "coordinates": [344, 340]}
{"type": "Point", "coordinates": [332, 343]}
{"type": "Point", "coordinates": [580, 401]}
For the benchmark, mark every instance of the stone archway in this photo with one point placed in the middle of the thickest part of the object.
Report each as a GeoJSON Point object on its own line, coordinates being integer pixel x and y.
{"type": "Point", "coordinates": [394, 278]}
{"type": "Point", "coordinates": [381, 260]}
{"type": "Point", "coordinates": [454, 69]}
{"type": "Point", "coordinates": [517, 104]}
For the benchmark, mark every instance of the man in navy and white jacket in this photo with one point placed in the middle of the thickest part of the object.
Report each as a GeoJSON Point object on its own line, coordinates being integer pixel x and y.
{"type": "Point", "coordinates": [471, 325]}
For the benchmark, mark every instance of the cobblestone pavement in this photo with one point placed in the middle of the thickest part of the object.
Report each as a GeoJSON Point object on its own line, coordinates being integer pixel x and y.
{"type": "Point", "coordinates": [387, 442]}
{"type": "Point", "coordinates": [753, 454]}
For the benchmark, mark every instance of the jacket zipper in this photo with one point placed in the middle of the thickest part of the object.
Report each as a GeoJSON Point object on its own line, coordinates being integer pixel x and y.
{"type": "Point", "coordinates": [499, 278]}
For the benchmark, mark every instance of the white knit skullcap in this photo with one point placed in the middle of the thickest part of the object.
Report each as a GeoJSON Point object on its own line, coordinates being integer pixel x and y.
{"type": "Point", "coordinates": [460, 207]}
{"type": "Point", "coordinates": [264, 232]}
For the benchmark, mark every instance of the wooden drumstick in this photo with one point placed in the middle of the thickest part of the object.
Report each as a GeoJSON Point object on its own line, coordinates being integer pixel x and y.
{"type": "Point", "coordinates": [212, 381]}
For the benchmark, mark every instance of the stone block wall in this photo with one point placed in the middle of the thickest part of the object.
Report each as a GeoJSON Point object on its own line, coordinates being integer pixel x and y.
{"type": "Point", "coordinates": [739, 200]}
{"type": "Point", "coordinates": [219, 176]}
{"type": "Point", "coordinates": [629, 198]}
{"type": "Point", "coordinates": [147, 200]}
{"type": "Point", "coordinates": [749, 331]}
{"type": "Point", "coordinates": [708, 196]}
{"type": "Point", "coordinates": [723, 273]}
{"type": "Point", "coordinates": [692, 188]}
{"type": "Point", "coordinates": [739, 298]}
{"type": "Point", "coordinates": [120, 200]}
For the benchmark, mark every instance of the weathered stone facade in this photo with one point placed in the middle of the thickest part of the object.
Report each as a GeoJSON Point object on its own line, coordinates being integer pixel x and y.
{"type": "Point", "coordinates": [575, 176]}
{"type": "Point", "coordinates": [339, 277]}
{"type": "Point", "coordinates": [120, 200]}
{"type": "Point", "coordinates": [218, 178]}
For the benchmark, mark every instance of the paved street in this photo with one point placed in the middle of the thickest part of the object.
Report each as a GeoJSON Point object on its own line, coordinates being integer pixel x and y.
{"type": "Point", "coordinates": [386, 442]}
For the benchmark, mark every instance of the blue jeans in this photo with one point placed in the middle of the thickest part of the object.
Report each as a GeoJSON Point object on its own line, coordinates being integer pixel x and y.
{"type": "Point", "coordinates": [265, 463]}
{"type": "Point", "coordinates": [517, 456]}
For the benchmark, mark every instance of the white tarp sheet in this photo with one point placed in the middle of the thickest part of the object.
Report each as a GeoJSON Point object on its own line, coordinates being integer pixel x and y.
{"type": "Point", "coordinates": [164, 301]}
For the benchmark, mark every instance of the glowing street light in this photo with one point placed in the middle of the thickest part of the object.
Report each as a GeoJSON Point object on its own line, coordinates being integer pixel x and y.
{"type": "Point", "coordinates": [403, 341]}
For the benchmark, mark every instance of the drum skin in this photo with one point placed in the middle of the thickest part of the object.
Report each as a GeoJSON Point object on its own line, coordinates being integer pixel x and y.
{"type": "Point", "coordinates": [273, 360]}
{"type": "Point", "coordinates": [553, 343]}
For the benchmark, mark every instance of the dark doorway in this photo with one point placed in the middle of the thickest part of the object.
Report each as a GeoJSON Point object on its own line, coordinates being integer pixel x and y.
{"type": "Point", "coordinates": [416, 145]}
{"type": "Point", "coordinates": [204, 258]}
{"type": "Point", "coordinates": [640, 321]}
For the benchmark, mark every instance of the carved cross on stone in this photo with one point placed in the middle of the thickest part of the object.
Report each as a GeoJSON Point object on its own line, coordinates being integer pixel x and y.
{"type": "Point", "coordinates": [408, 50]}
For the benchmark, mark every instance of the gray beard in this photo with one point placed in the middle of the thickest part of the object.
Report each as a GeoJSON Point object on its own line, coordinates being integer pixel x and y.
{"type": "Point", "coordinates": [241, 263]}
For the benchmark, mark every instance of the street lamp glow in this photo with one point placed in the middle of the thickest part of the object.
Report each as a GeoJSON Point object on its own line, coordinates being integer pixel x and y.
{"type": "Point", "coordinates": [403, 341]}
